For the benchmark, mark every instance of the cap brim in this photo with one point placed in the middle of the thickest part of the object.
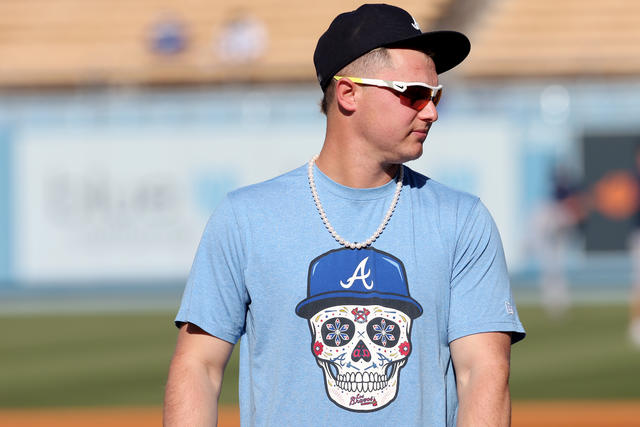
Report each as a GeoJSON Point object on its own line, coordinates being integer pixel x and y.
{"type": "Point", "coordinates": [447, 48]}
{"type": "Point", "coordinates": [312, 305]}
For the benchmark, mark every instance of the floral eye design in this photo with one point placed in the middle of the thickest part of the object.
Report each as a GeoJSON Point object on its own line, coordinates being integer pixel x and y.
{"type": "Point", "coordinates": [383, 332]}
{"type": "Point", "coordinates": [337, 332]}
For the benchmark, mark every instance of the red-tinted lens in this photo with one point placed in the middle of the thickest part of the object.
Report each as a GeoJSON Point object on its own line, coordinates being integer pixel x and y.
{"type": "Point", "coordinates": [437, 97]}
{"type": "Point", "coordinates": [419, 96]}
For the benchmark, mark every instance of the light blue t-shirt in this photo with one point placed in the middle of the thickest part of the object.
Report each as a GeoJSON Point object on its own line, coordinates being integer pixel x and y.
{"type": "Point", "coordinates": [334, 336]}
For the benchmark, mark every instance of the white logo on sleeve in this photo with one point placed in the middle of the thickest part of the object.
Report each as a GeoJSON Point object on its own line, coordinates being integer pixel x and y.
{"type": "Point", "coordinates": [508, 307]}
{"type": "Point", "coordinates": [415, 25]}
{"type": "Point", "coordinates": [359, 274]}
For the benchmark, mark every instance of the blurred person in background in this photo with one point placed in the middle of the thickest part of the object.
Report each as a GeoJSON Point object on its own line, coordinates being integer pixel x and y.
{"type": "Point", "coordinates": [555, 225]}
{"type": "Point", "coordinates": [168, 35]}
{"type": "Point", "coordinates": [414, 330]}
{"type": "Point", "coordinates": [243, 38]}
{"type": "Point", "coordinates": [634, 249]}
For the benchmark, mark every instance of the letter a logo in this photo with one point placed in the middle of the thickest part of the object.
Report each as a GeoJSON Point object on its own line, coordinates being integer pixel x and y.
{"type": "Point", "coordinates": [359, 274]}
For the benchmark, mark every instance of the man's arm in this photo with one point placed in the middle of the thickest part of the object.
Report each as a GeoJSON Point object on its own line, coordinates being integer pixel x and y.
{"type": "Point", "coordinates": [195, 378]}
{"type": "Point", "coordinates": [481, 362]}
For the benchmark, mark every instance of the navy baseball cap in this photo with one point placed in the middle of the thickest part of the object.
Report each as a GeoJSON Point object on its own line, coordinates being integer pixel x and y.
{"type": "Point", "coordinates": [357, 277]}
{"type": "Point", "coordinates": [352, 34]}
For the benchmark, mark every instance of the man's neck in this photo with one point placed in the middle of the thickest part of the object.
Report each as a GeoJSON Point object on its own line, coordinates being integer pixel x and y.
{"type": "Point", "coordinates": [354, 170]}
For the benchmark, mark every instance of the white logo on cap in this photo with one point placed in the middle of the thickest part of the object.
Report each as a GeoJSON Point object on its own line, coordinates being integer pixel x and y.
{"type": "Point", "coordinates": [359, 274]}
{"type": "Point", "coordinates": [415, 25]}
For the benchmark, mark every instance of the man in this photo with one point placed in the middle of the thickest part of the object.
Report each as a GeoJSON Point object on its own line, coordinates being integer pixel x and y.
{"type": "Point", "coordinates": [364, 292]}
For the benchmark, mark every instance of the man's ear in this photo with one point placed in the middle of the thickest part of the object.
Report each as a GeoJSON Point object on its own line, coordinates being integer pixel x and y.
{"type": "Point", "coordinates": [345, 94]}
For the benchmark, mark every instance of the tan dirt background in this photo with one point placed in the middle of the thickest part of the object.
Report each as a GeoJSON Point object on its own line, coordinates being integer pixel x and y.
{"type": "Point", "coordinates": [525, 414]}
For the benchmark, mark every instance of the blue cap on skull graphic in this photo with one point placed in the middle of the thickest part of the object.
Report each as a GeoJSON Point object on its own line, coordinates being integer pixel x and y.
{"type": "Point", "coordinates": [360, 277]}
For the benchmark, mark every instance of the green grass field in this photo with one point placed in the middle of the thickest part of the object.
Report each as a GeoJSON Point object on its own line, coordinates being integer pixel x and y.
{"type": "Point", "coordinates": [122, 359]}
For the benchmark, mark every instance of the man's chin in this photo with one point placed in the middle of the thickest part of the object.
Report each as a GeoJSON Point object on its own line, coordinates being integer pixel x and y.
{"type": "Point", "coordinates": [415, 154]}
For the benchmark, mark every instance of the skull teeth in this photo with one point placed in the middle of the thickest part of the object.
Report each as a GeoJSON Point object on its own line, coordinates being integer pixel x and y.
{"type": "Point", "coordinates": [361, 383]}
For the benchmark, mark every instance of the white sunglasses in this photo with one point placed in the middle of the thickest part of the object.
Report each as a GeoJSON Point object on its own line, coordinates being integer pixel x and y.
{"type": "Point", "coordinates": [417, 93]}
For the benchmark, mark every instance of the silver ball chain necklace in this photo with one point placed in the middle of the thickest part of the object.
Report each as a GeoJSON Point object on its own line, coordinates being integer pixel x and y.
{"type": "Point", "coordinates": [325, 220]}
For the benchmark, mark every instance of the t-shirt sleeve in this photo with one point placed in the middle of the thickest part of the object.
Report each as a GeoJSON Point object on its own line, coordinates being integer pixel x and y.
{"type": "Point", "coordinates": [215, 297]}
{"type": "Point", "coordinates": [481, 299]}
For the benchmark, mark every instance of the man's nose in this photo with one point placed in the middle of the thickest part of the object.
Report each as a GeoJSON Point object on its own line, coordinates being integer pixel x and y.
{"type": "Point", "coordinates": [429, 113]}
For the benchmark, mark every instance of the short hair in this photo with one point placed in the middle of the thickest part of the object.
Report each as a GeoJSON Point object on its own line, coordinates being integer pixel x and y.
{"type": "Point", "coordinates": [370, 61]}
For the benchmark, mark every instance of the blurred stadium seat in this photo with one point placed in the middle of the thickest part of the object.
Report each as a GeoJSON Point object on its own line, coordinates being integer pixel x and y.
{"type": "Point", "coordinates": [76, 42]}
{"type": "Point", "coordinates": [523, 38]}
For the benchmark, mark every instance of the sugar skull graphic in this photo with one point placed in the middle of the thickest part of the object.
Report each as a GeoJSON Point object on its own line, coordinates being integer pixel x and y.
{"type": "Point", "coordinates": [359, 313]}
